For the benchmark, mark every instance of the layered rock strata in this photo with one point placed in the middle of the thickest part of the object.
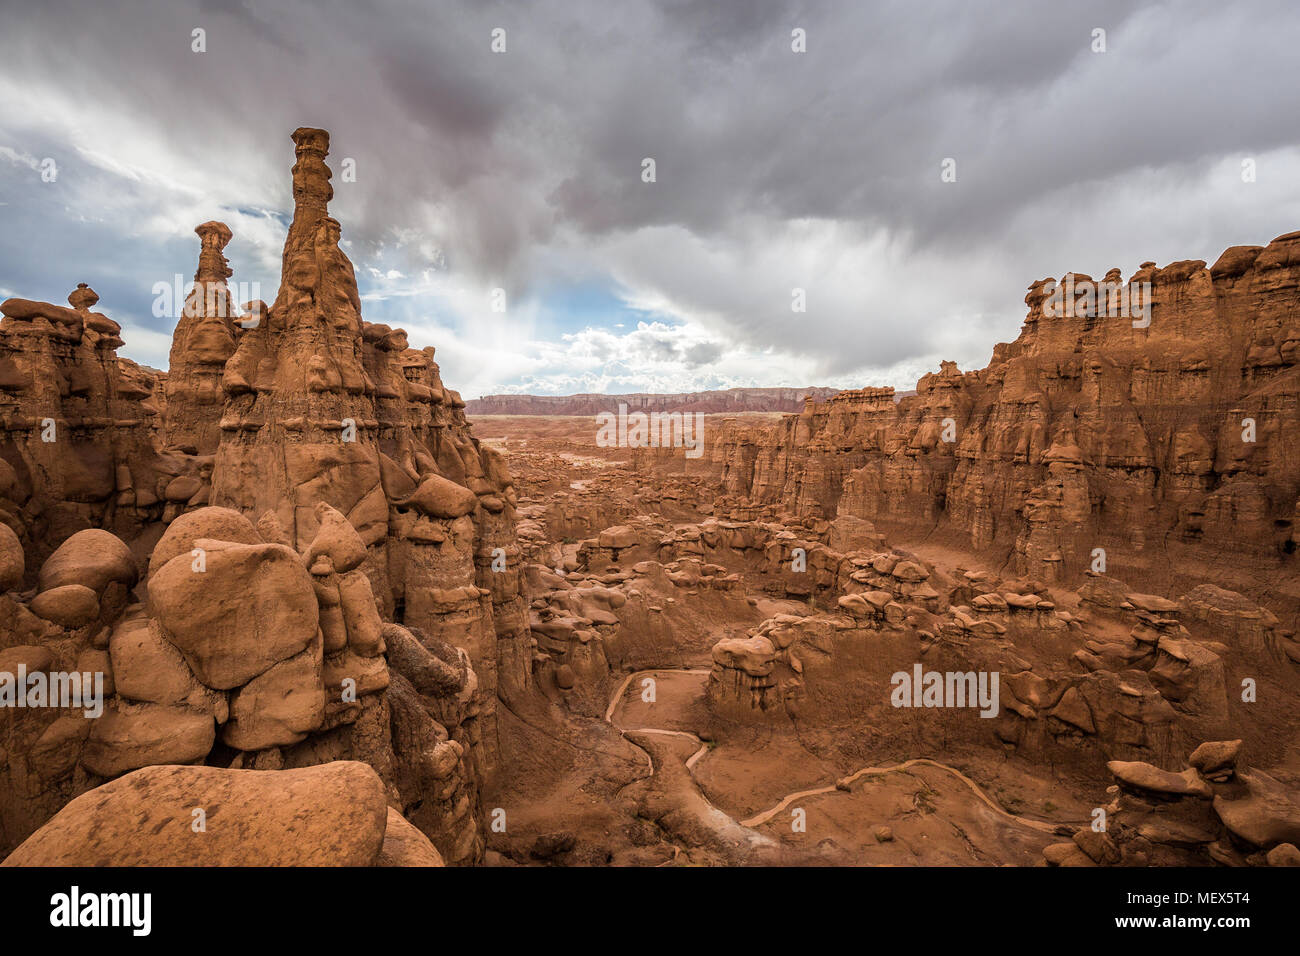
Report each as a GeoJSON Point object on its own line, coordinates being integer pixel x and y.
{"type": "Point", "coordinates": [1094, 441]}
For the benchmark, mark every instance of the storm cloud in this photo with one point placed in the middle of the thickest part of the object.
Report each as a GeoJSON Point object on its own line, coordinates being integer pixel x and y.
{"type": "Point", "coordinates": [775, 170]}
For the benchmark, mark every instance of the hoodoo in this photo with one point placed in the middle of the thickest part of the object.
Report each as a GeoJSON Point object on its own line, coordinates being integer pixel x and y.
{"type": "Point", "coordinates": [240, 547]}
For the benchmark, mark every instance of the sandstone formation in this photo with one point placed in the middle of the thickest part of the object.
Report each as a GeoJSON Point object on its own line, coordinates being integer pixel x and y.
{"type": "Point", "coordinates": [1222, 813]}
{"type": "Point", "coordinates": [991, 523]}
{"type": "Point", "coordinates": [233, 546]}
{"type": "Point", "coordinates": [1162, 445]}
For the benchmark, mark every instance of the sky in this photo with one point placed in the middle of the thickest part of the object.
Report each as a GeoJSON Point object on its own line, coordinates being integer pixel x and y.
{"type": "Point", "coordinates": [500, 210]}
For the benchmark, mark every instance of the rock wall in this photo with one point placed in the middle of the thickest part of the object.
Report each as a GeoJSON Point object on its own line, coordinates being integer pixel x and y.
{"type": "Point", "coordinates": [77, 426]}
{"type": "Point", "coordinates": [1164, 443]}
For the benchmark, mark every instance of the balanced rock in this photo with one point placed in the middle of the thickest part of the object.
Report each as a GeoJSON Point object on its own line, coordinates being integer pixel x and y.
{"type": "Point", "coordinates": [1144, 776]}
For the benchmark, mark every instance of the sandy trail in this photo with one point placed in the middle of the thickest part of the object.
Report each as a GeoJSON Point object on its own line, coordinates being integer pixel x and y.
{"type": "Point", "coordinates": [841, 786]}
{"type": "Point", "coordinates": [618, 699]}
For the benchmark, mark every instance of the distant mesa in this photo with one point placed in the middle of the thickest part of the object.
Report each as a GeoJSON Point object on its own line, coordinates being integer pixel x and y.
{"type": "Point", "coordinates": [710, 402]}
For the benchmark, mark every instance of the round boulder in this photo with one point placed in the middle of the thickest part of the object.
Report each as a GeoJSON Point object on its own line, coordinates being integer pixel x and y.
{"type": "Point", "coordinates": [93, 558]}
{"type": "Point", "coordinates": [220, 524]}
{"type": "Point", "coordinates": [12, 562]}
{"type": "Point", "coordinates": [72, 605]}
{"type": "Point", "coordinates": [250, 607]}
{"type": "Point", "coordinates": [439, 498]}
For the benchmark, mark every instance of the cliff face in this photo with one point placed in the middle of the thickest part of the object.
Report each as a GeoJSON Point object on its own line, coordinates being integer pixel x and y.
{"type": "Point", "coordinates": [288, 550]}
{"type": "Point", "coordinates": [1162, 444]}
{"type": "Point", "coordinates": [712, 402]}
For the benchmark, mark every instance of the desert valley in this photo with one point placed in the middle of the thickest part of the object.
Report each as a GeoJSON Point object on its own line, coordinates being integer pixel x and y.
{"type": "Point", "coordinates": [294, 602]}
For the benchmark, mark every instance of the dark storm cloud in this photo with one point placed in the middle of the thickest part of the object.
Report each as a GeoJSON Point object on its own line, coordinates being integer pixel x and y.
{"type": "Point", "coordinates": [775, 170]}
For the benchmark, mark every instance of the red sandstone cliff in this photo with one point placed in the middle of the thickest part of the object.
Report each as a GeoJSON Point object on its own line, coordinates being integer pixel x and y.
{"type": "Point", "coordinates": [1165, 445]}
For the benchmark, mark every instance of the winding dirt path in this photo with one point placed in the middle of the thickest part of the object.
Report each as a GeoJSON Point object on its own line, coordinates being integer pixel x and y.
{"type": "Point", "coordinates": [840, 786]}
{"type": "Point", "coordinates": [618, 699]}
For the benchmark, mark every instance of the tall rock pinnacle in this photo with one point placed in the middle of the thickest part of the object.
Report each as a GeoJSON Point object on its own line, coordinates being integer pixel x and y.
{"type": "Point", "coordinates": [323, 409]}
{"type": "Point", "coordinates": [204, 339]}
{"type": "Point", "coordinates": [318, 285]}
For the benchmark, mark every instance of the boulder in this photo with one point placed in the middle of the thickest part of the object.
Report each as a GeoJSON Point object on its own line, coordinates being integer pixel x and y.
{"type": "Point", "coordinates": [337, 538]}
{"type": "Point", "coordinates": [92, 558]}
{"type": "Point", "coordinates": [1266, 816]}
{"type": "Point", "coordinates": [439, 498]}
{"type": "Point", "coordinates": [12, 561]}
{"type": "Point", "coordinates": [219, 524]}
{"type": "Point", "coordinates": [404, 845]}
{"type": "Point", "coordinates": [618, 537]}
{"type": "Point", "coordinates": [335, 814]}
{"type": "Point", "coordinates": [252, 607]}
{"type": "Point", "coordinates": [1144, 776]}
{"type": "Point", "coordinates": [71, 605]}
{"type": "Point", "coordinates": [148, 668]}
{"type": "Point", "coordinates": [279, 707]}
{"type": "Point", "coordinates": [753, 655]}
{"type": "Point", "coordinates": [1215, 755]}
{"type": "Point", "coordinates": [129, 736]}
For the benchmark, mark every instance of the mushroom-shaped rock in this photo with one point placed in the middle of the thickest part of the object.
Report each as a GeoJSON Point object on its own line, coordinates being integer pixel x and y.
{"type": "Point", "coordinates": [335, 814]}
{"type": "Point", "coordinates": [991, 602]}
{"type": "Point", "coordinates": [753, 655]}
{"type": "Point", "coordinates": [909, 571]}
{"type": "Point", "coordinates": [1144, 776]}
{"type": "Point", "coordinates": [1153, 603]}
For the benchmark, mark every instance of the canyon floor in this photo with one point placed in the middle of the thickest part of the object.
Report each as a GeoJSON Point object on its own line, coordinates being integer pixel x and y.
{"type": "Point", "coordinates": [653, 775]}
